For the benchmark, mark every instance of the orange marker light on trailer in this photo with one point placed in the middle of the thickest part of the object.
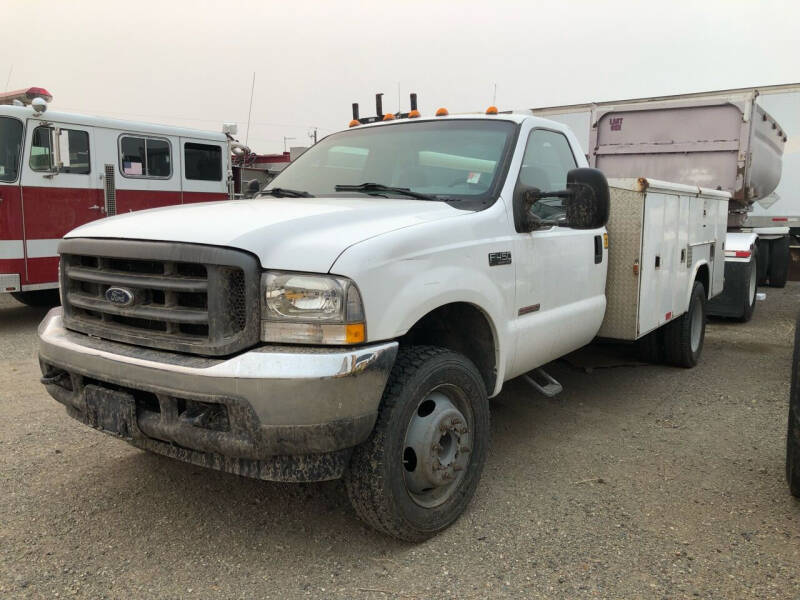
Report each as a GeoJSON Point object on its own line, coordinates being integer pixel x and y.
{"type": "Point", "coordinates": [441, 112]}
{"type": "Point", "coordinates": [413, 114]}
{"type": "Point", "coordinates": [492, 110]}
{"type": "Point", "coordinates": [355, 123]}
{"type": "Point", "coordinates": [388, 117]}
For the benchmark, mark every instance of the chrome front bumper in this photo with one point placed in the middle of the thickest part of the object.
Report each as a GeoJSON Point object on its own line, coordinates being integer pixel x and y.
{"type": "Point", "coordinates": [279, 401]}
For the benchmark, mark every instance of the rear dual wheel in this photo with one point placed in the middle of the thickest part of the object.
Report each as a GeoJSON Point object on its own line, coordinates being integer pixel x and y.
{"type": "Point", "coordinates": [419, 468]}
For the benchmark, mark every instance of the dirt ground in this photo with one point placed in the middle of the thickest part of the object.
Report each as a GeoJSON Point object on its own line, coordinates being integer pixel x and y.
{"type": "Point", "coordinates": [638, 481]}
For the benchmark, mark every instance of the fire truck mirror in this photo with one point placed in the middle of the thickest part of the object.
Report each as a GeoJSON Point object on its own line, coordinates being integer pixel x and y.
{"type": "Point", "coordinates": [63, 149]}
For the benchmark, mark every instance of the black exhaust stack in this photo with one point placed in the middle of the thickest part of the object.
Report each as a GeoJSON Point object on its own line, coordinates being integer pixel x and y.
{"type": "Point", "coordinates": [413, 102]}
{"type": "Point", "coordinates": [355, 111]}
{"type": "Point", "coordinates": [379, 105]}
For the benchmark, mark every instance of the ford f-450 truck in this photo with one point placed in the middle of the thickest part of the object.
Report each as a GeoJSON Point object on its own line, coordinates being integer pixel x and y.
{"type": "Point", "coordinates": [354, 319]}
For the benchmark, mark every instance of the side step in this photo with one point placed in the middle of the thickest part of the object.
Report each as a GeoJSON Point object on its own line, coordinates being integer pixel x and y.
{"type": "Point", "coordinates": [543, 383]}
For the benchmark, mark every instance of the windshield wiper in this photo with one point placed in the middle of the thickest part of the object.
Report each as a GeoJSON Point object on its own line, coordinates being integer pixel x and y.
{"type": "Point", "coordinates": [286, 193]}
{"type": "Point", "coordinates": [368, 188]}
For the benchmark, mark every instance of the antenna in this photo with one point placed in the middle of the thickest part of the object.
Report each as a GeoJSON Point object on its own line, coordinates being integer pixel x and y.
{"type": "Point", "coordinates": [250, 110]}
{"type": "Point", "coordinates": [494, 96]}
{"type": "Point", "coordinates": [286, 139]}
{"type": "Point", "coordinates": [8, 79]}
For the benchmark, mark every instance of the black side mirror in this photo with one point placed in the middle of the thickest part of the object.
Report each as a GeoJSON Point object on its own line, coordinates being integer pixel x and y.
{"type": "Point", "coordinates": [586, 202]}
{"type": "Point", "coordinates": [588, 206]}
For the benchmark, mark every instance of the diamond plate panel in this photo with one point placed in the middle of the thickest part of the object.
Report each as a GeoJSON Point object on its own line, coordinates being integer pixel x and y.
{"type": "Point", "coordinates": [625, 224]}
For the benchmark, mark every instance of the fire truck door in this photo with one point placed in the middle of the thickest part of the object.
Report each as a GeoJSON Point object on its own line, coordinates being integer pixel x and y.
{"type": "Point", "coordinates": [61, 189]}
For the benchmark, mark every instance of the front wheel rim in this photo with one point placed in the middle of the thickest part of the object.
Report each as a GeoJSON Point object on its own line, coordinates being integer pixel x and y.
{"type": "Point", "coordinates": [437, 448]}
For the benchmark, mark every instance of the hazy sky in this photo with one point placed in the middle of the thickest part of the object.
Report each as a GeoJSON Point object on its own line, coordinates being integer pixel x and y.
{"type": "Point", "coordinates": [191, 63]}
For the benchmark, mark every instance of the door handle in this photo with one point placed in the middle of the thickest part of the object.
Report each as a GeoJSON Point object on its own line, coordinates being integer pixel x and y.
{"type": "Point", "coordinates": [598, 249]}
{"type": "Point", "coordinates": [96, 207]}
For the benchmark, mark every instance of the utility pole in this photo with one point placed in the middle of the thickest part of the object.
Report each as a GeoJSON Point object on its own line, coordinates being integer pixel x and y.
{"type": "Point", "coordinates": [312, 133]}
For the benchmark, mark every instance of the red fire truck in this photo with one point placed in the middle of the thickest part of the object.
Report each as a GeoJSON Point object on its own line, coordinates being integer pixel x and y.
{"type": "Point", "coordinates": [59, 170]}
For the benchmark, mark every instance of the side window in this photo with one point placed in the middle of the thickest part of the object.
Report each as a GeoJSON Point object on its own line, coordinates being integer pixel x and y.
{"type": "Point", "coordinates": [10, 145]}
{"type": "Point", "coordinates": [74, 154]}
{"type": "Point", "coordinates": [41, 156]}
{"type": "Point", "coordinates": [545, 164]}
{"type": "Point", "coordinates": [144, 157]}
{"type": "Point", "coordinates": [203, 161]}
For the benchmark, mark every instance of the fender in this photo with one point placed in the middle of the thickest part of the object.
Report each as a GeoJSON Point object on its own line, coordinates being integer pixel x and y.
{"type": "Point", "coordinates": [437, 287]}
{"type": "Point", "coordinates": [696, 269]}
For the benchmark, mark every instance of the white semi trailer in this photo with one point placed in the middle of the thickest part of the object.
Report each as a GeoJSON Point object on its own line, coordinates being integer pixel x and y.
{"type": "Point", "coordinates": [724, 140]}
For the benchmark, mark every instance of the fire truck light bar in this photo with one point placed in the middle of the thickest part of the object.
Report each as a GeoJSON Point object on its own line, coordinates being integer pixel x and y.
{"type": "Point", "coordinates": [25, 96]}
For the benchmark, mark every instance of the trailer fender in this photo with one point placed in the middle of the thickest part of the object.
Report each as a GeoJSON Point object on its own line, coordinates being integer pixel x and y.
{"type": "Point", "coordinates": [739, 242]}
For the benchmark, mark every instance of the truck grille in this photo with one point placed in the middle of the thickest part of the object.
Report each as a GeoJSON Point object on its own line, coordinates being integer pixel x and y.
{"type": "Point", "coordinates": [181, 297]}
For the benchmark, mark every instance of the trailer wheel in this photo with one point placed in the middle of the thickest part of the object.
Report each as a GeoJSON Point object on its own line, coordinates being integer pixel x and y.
{"type": "Point", "coordinates": [751, 281]}
{"type": "Point", "coordinates": [793, 430]}
{"type": "Point", "coordinates": [419, 468]}
{"type": "Point", "coordinates": [683, 337]}
{"type": "Point", "coordinates": [37, 298]}
{"type": "Point", "coordinates": [779, 262]}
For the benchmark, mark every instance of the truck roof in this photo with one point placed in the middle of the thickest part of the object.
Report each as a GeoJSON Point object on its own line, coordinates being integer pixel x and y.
{"type": "Point", "coordinates": [515, 117]}
{"type": "Point", "coordinates": [26, 112]}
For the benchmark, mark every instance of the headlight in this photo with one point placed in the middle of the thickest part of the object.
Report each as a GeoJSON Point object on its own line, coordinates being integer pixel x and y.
{"type": "Point", "coordinates": [311, 309]}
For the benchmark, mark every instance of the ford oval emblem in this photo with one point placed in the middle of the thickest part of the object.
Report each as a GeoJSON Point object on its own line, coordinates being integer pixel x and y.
{"type": "Point", "coordinates": [119, 296]}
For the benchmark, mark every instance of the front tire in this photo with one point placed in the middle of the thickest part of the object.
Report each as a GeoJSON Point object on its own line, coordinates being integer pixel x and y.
{"type": "Point", "coordinates": [38, 298]}
{"type": "Point", "coordinates": [418, 470]}
{"type": "Point", "coordinates": [683, 337]}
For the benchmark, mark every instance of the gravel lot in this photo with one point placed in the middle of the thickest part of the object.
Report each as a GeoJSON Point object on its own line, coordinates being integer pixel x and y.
{"type": "Point", "coordinates": [638, 481]}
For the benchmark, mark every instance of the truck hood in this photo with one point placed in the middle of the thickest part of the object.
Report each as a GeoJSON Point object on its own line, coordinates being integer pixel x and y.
{"type": "Point", "coordinates": [296, 234]}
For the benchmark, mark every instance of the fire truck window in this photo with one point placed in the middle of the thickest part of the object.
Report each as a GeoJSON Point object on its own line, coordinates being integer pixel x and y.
{"type": "Point", "coordinates": [133, 154]}
{"type": "Point", "coordinates": [42, 158]}
{"type": "Point", "coordinates": [158, 163]}
{"type": "Point", "coordinates": [10, 144]}
{"type": "Point", "coordinates": [40, 150]}
{"type": "Point", "coordinates": [203, 161]}
{"type": "Point", "coordinates": [78, 152]}
{"type": "Point", "coordinates": [144, 157]}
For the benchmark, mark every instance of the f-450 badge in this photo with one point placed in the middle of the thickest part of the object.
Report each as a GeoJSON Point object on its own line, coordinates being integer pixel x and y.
{"type": "Point", "coordinates": [499, 258]}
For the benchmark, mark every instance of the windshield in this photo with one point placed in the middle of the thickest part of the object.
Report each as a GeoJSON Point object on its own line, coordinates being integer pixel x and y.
{"type": "Point", "coordinates": [10, 144]}
{"type": "Point", "coordinates": [461, 159]}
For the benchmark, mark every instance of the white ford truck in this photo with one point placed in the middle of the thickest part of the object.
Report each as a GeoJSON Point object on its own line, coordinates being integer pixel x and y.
{"type": "Point", "coordinates": [354, 319]}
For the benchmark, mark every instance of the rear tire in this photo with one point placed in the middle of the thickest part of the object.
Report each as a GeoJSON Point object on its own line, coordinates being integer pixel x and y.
{"type": "Point", "coordinates": [779, 262]}
{"type": "Point", "coordinates": [683, 337]}
{"type": "Point", "coordinates": [38, 298]}
{"type": "Point", "coordinates": [419, 468]}
{"type": "Point", "coordinates": [793, 430]}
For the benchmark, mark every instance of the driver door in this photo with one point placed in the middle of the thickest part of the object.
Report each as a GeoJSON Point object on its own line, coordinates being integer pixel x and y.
{"type": "Point", "coordinates": [560, 285]}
